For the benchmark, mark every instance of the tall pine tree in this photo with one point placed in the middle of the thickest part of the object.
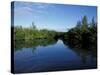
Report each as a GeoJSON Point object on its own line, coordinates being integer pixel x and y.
{"type": "Point", "coordinates": [84, 24]}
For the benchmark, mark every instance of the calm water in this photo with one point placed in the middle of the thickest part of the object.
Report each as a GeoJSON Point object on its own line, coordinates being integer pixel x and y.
{"type": "Point", "coordinates": [40, 56]}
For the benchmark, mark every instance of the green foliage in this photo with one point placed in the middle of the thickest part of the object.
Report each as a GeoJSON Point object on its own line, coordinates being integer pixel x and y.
{"type": "Point", "coordinates": [32, 33]}
{"type": "Point", "coordinates": [82, 35]}
{"type": "Point", "coordinates": [84, 24]}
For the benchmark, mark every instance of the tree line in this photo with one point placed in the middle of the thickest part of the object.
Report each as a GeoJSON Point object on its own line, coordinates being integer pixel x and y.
{"type": "Point", "coordinates": [82, 35]}
{"type": "Point", "coordinates": [29, 33]}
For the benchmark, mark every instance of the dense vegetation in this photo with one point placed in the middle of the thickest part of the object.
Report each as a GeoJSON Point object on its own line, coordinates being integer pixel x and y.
{"type": "Point", "coordinates": [32, 33]}
{"type": "Point", "coordinates": [84, 34]}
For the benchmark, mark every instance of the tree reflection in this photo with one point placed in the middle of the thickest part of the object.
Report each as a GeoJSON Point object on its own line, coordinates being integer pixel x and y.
{"type": "Point", "coordinates": [19, 44]}
{"type": "Point", "coordinates": [85, 53]}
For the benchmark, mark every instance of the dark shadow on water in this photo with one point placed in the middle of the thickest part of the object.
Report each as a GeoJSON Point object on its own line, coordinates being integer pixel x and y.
{"type": "Point", "coordinates": [85, 52]}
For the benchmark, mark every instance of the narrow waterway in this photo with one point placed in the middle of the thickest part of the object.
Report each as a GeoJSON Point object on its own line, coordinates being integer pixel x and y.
{"type": "Point", "coordinates": [51, 57]}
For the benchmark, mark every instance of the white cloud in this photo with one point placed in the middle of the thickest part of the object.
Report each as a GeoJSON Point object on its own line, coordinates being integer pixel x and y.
{"type": "Point", "coordinates": [43, 5]}
{"type": "Point", "coordinates": [23, 10]}
{"type": "Point", "coordinates": [29, 8]}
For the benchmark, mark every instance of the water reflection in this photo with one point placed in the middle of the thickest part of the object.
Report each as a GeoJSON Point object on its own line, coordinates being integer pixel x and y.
{"type": "Point", "coordinates": [19, 44]}
{"type": "Point", "coordinates": [87, 53]}
{"type": "Point", "coordinates": [50, 55]}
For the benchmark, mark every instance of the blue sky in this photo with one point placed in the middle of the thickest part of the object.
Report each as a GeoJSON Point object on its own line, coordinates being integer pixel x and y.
{"type": "Point", "coordinates": [57, 17]}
